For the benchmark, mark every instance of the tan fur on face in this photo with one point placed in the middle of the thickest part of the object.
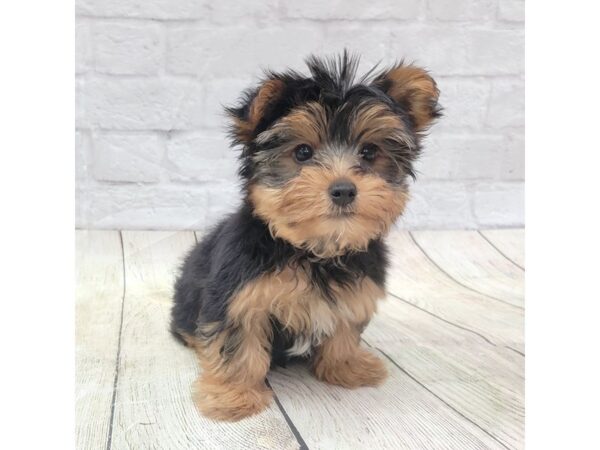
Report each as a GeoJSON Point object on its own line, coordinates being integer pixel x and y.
{"type": "Point", "coordinates": [304, 125]}
{"type": "Point", "coordinates": [413, 86]}
{"type": "Point", "coordinates": [375, 122]}
{"type": "Point", "coordinates": [301, 211]}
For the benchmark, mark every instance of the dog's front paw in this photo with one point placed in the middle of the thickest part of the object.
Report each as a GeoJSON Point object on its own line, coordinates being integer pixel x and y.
{"type": "Point", "coordinates": [360, 369]}
{"type": "Point", "coordinates": [230, 402]}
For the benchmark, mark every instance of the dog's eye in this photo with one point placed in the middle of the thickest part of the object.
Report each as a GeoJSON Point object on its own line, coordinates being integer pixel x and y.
{"type": "Point", "coordinates": [369, 152]}
{"type": "Point", "coordinates": [303, 153]}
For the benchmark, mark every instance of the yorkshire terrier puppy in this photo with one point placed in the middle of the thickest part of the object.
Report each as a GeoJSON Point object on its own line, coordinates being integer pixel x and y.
{"type": "Point", "coordinates": [297, 271]}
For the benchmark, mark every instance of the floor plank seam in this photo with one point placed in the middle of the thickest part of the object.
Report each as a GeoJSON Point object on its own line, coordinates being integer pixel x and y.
{"type": "Point", "coordinates": [444, 320]}
{"type": "Point", "coordinates": [441, 399]}
{"type": "Point", "coordinates": [118, 361]}
{"type": "Point", "coordinates": [287, 418]}
{"type": "Point", "coordinates": [457, 281]}
{"type": "Point", "coordinates": [515, 350]}
{"type": "Point", "coordinates": [499, 251]}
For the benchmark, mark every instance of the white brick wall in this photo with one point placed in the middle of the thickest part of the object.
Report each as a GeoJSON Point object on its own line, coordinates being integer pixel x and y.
{"type": "Point", "coordinates": [151, 76]}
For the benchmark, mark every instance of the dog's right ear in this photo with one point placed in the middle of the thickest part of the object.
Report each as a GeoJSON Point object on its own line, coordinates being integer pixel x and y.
{"type": "Point", "coordinates": [255, 105]}
{"type": "Point", "coordinates": [414, 89]}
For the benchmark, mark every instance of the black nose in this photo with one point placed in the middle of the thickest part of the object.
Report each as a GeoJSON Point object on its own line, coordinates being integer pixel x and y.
{"type": "Point", "coordinates": [342, 192]}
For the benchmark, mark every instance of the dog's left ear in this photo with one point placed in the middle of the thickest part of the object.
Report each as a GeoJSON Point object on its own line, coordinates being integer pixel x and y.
{"type": "Point", "coordinates": [254, 106]}
{"type": "Point", "coordinates": [413, 89]}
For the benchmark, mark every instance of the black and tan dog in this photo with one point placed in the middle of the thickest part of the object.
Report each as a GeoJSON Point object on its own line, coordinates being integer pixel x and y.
{"type": "Point", "coordinates": [298, 269]}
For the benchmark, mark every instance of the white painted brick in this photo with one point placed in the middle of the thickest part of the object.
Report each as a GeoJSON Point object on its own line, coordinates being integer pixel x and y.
{"type": "Point", "coordinates": [142, 104]}
{"type": "Point", "coordinates": [499, 204]}
{"type": "Point", "coordinates": [233, 52]}
{"type": "Point", "coordinates": [127, 157]}
{"type": "Point", "coordinates": [352, 9]}
{"type": "Point", "coordinates": [80, 104]}
{"type": "Point", "coordinates": [200, 157]}
{"type": "Point", "coordinates": [438, 205]}
{"type": "Point", "coordinates": [83, 47]}
{"type": "Point", "coordinates": [370, 41]}
{"type": "Point", "coordinates": [82, 155]}
{"type": "Point", "coordinates": [223, 198]}
{"type": "Point", "coordinates": [507, 105]}
{"type": "Point", "coordinates": [221, 93]}
{"type": "Point", "coordinates": [439, 49]}
{"type": "Point", "coordinates": [511, 10]}
{"type": "Point", "coordinates": [501, 52]}
{"type": "Point", "coordinates": [154, 206]}
{"type": "Point", "coordinates": [263, 12]}
{"type": "Point", "coordinates": [148, 9]}
{"type": "Point", "coordinates": [462, 10]}
{"type": "Point", "coordinates": [471, 157]}
{"type": "Point", "coordinates": [465, 102]}
{"type": "Point", "coordinates": [128, 48]}
{"type": "Point", "coordinates": [453, 50]}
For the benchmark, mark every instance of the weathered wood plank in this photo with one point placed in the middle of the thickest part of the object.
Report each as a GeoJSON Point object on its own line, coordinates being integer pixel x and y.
{"type": "Point", "coordinates": [414, 278]}
{"type": "Point", "coordinates": [483, 382]}
{"type": "Point", "coordinates": [469, 259]}
{"type": "Point", "coordinates": [99, 296]}
{"type": "Point", "coordinates": [153, 407]}
{"type": "Point", "coordinates": [510, 242]}
{"type": "Point", "coordinates": [399, 414]}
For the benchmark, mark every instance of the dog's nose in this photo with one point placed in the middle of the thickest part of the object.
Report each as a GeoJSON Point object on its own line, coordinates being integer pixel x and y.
{"type": "Point", "coordinates": [342, 192]}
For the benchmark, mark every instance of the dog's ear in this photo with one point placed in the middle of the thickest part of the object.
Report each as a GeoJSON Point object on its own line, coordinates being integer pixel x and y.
{"type": "Point", "coordinates": [255, 105]}
{"type": "Point", "coordinates": [414, 90]}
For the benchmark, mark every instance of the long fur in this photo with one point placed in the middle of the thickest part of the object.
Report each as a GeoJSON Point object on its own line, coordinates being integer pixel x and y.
{"type": "Point", "coordinates": [291, 273]}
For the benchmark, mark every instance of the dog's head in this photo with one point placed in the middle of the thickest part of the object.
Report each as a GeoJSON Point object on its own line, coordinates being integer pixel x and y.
{"type": "Point", "coordinates": [326, 159]}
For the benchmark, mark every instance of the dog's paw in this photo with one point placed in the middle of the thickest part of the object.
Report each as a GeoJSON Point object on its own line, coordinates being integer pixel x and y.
{"type": "Point", "coordinates": [361, 369]}
{"type": "Point", "coordinates": [229, 402]}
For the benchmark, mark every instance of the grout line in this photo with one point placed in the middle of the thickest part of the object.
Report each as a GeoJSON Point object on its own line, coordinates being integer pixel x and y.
{"type": "Point", "coordinates": [118, 361]}
{"type": "Point", "coordinates": [440, 398]}
{"type": "Point", "coordinates": [443, 320]}
{"type": "Point", "coordinates": [455, 280]}
{"type": "Point", "coordinates": [287, 418]}
{"type": "Point", "coordinates": [498, 250]}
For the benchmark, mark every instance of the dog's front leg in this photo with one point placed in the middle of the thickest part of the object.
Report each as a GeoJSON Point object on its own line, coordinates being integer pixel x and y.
{"type": "Point", "coordinates": [340, 360]}
{"type": "Point", "coordinates": [235, 365]}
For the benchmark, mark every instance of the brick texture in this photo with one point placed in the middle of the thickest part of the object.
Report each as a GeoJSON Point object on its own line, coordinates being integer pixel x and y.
{"type": "Point", "coordinates": [152, 78]}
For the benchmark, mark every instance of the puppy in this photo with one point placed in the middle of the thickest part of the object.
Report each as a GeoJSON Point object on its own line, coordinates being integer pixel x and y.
{"type": "Point", "coordinates": [297, 271]}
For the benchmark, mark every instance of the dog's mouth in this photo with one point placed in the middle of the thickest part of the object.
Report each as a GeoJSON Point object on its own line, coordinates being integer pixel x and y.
{"type": "Point", "coordinates": [342, 214]}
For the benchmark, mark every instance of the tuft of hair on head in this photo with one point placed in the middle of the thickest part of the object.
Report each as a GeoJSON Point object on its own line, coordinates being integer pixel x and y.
{"type": "Point", "coordinates": [335, 75]}
{"type": "Point", "coordinates": [414, 90]}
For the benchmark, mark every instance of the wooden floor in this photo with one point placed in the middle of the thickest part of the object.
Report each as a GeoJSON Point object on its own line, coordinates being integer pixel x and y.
{"type": "Point", "coordinates": [450, 332]}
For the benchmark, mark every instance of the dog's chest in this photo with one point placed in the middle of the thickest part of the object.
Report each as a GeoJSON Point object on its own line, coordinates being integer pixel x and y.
{"type": "Point", "coordinates": [306, 317]}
